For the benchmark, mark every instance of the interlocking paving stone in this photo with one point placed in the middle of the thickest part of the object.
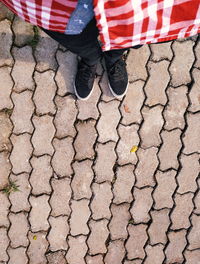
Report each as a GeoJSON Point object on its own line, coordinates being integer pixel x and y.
{"type": "Point", "coordinates": [40, 210]}
{"type": "Point", "coordinates": [57, 257]}
{"type": "Point", "coordinates": [63, 156]}
{"type": "Point", "coordinates": [78, 225]}
{"type": "Point", "coordinates": [58, 233]}
{"type": "Point", "coordinates": [133, 262]}
{"type": "Point", "coordinates": [19, 200]}
{"type": "Point", "coordinates": [101, 201]}
{"type": "Point", "coordinates": [17, 255]}
{"type": "Point", "coordinates": [197, 52]}
{"type": "Point", "coordinates": [146, 167]}
{"type": "Point", "coordinates": [45, 60]}
{"type": "Point", "coordinates": [156, 86]}
{"type": "Point", "coordinates": [192, 257]}
{"type": "Point", "coordinates": [194, 94]}
{"type": "Point", "coordinates": [65, 116]}
{"type": "Point", "coordinates": [104, 167]}
{"type": "Point", "coordinates": [94, 259]}
{"type": "Point", "coordinates": [119, 222]}
{"type": "Point", "coordinates": [108, 121]}
{"type": "Point", "coordinates": [174, 250]}
{"type": "Point", "coordinates": [197, 200]}
{"type": "Point", "coordinates": [4, 209]}
{"type": "Point", "coordinates": [124, 181]}
{"type": "Point", "coordinates": [98, 236]}
{"type": "Point", "coordinates": [88, 109]}
{"type": "Point", "coordinates": [150, 130]}
{"type": "Point", "coordinates": [162, 195]}
{"type": "Point", "coordinates": [191, 137]}
{"type": "Point", "coordinates": [184, 56]}
{"type": "Point", "coordinates": [23, 31]}
{"type": "Point", "coordinates": [22, 112]}
{"type": "Point", "coordinates": [132, 103]}
{"type": "Point", "coordinates": [6, 129]}
{"type": "Point", "coordinates": [44, 92]}
{"type": "Point", "coordinates": [194, 234]}
{"type": "Point", "coordinates": [158, 228]}
{"type": "Point", "coordinates": [176, 107]}
{"type": "Point", "coordinates": [5, 91]}
{"type": "Point", "coordinates": [24, 62]}
{"type": "Point", "coordinates": [85, 140]}
{"type": "Point", "coordinates": [181, 213]}
{"type": "Point", "coordinates": [5, 12]}
{"type": "Point", "coordinates": [4, 241]}
{"type": "Point", "coordinates": [128, 138]}
{"type": "Point", "coordinates": [141, 205]}
{"type": "Point", "coordinates": [168, 153]}
{"type": "Point", "coordinates": [21, 153]}
{"type": "Point", "coordinates": [40, 175]}
{"type": "Point", "coordinates": [154, 254]}
{"type": "Point", "coordinates": [190, 166]}
{"type": "Point", "coordinates": [18, 230]}
{"type": "Point", "coordinates": [37, 248]}
{"type": "Point", "coordinates": [43, 135]}
{"type": "Point", "coordinates": [5, 168]}
{"type": "Point", "coordinates": [136, 241]}
{"type": "Point", "coordinates": [82, 179]}
{"type": "Point", "coordinates": [61, 195]}
{"type": "Point", "coordinates": [136, 63]}
{"type": "Point", "coordinates": [5, 43]}
{"type": "Point", "coordinates": [115, 252]}
{"type": "Point", "coordinates": [65, 75]}
{"type": "Point", "coordinates": [77, 250]}
{"type": "Point", "coordinates": [161, 51]}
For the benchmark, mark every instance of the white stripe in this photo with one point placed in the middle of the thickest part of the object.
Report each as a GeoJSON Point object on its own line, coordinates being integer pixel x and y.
{"type": "Point", "coordinates": [103, 23]}
{"type": "Point", "coordinates": [31, 9]}
{"type": "Point", "coordinates": [137, 9]}
{"type": "Point", "coordinates": [18, 8]}
{"type": "Point", "coordinates": [152, 13]}
{"type": "Point", "coordinates": [166, 17]}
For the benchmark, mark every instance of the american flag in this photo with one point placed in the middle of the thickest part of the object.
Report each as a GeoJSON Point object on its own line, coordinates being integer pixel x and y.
{"type": "Point", "coordinates": [121, 23]}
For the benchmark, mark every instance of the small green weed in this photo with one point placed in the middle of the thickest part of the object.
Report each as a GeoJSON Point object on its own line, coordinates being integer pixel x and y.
{"type": "Point", "coordinates": [11, 187]}
{"type": "Point", "coordinates": [131, 221]}
{"type": "Point", "coordinates": [7, 111]}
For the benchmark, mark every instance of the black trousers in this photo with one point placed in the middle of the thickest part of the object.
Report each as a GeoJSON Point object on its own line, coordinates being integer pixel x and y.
{"type": "Point", "coordinates": [86, 45]}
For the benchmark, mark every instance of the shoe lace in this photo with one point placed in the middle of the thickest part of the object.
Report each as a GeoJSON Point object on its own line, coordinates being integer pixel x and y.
{"type": "Point", "coordinates": [85, 72]}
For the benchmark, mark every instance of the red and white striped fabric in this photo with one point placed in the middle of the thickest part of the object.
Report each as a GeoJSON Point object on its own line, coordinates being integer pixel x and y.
{"type": "Point", "coordinates": [122, 23]}
{"type": "Point", "coordinates": [128, 23]}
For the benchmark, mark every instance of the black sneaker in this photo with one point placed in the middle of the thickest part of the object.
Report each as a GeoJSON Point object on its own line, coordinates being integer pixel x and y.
{"type": "Point", "coordinates": [118, 78]}
{"type": "Point", "coordinates": [84, 80]}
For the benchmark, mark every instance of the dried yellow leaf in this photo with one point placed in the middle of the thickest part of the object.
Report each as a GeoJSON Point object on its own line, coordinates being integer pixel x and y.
{"type": "Point", "coordinates": [134, 149]}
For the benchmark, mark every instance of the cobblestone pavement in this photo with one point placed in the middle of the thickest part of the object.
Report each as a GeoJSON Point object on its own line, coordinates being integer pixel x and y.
{"type": "Point", "coordinates": [74, 188]}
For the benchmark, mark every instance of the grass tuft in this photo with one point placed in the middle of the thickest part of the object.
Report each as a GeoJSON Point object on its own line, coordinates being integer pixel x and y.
{"type": "Point", "coordinates": [11, 187]}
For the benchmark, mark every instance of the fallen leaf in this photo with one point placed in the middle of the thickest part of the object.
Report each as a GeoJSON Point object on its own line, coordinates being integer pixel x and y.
{"type": "Point", "coordinates": [34, 237]}
{"type": "Point", "coordinates": [126, 109]}
{"type": "Point", "coordinates": [134, 149]}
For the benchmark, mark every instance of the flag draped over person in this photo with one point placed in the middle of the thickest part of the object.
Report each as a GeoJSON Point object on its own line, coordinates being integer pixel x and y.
{"type": "Point", "coordinates": [121, 23]}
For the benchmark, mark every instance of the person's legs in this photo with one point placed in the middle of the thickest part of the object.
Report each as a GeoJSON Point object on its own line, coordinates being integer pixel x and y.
{"type": "Point", "coordinates": [85, 45]}
{"type": "Point", "coordinates": [116, 69]}
{"type": "Point", "coordinates": [113, 56]}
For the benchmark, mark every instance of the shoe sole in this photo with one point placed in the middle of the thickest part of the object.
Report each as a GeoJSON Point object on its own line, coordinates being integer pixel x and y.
{"type": "Point", "coordinates": [80, 98]}
{"type": "Point", "coordinates": [114, 94]}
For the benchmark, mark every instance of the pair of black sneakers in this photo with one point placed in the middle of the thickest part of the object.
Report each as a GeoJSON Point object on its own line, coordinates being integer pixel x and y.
{"type": "Point", "coordinates": [117, 79]}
